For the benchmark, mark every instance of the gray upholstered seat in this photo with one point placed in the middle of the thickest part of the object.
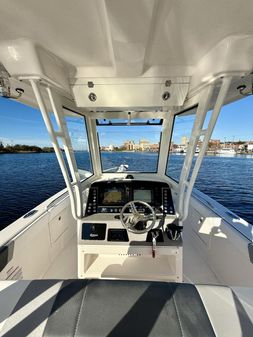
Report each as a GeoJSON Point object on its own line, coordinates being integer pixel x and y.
{"type": "Point", "coordinates": [123, 308]}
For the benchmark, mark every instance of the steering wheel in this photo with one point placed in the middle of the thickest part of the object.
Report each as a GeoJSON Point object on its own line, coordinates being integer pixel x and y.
{"type": "Point", "coordinates": [130, 221]}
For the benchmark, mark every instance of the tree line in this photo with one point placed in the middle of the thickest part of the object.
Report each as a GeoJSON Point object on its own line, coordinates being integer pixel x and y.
{"type": "Point", "coordinates": [24, 148]}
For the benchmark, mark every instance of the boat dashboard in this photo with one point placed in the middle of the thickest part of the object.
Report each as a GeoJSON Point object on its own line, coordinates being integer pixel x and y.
{"type": "Point", "coordinates": [111, 196]}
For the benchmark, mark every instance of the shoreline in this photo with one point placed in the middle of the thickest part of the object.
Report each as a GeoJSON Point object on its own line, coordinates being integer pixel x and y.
{"type": "Point", "coordinates": [217, 154]}
{"type": "Point", "coordinates": [129, 151]}
{"type": "Point", "coordinates": [172, 153]}
{"type": "Point", "coordinates": [25, 152]}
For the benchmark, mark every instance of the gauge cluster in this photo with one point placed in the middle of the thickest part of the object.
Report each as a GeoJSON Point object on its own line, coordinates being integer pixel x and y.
{"type": "Point", "coordinates": [110, 197]}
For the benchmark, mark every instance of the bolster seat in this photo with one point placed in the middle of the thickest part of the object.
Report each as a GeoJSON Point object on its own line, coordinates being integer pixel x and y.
{"type": "Point", "coordinates": [123, 308]}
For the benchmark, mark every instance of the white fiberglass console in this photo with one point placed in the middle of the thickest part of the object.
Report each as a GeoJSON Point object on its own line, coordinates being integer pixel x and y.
{"type": "Point", "coordinates": [108, 248]}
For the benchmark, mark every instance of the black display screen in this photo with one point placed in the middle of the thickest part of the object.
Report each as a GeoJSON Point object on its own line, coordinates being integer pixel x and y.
{"type": "Point", "coordinates": [112, 196]}
{"type": "Point", "coordinates": [143, 195]}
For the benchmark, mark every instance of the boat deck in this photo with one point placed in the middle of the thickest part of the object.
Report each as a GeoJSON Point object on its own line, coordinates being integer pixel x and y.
{"type": "Point", "coordinates": [65, 264]}
{"type": "Point", "coordinates": [195, 269]}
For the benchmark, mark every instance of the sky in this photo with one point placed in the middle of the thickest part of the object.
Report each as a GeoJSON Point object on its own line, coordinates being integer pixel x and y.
{"type": "Point", "coordinates": [234, 123]}
{"type": "Point", "coordinates": [21, 124]}
{"type": "Point", "coordinates": [117, 135]}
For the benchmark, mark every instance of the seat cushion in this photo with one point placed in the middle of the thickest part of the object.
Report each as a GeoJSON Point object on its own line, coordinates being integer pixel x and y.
{"type": "Point", "coordinates": [119, 308]}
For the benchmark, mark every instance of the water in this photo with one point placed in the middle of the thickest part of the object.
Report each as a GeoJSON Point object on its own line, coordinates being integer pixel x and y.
{"type": "Point", "coordinates": [28, 179]}
{"type": "Point", "coordinates": [227, 180]}
{"type": "Point", "coordinates": [140, 161]}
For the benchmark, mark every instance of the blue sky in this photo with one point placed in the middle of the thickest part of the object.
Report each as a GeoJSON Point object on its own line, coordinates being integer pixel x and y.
{"type": "Point", "coordinates": [20, 124]}
{"type": "Point", "coordinates": [24, 125]}
{"type": "Point", "coordinates": [116, 135]}
{"type": "Point", "coordinates": [235, 122]}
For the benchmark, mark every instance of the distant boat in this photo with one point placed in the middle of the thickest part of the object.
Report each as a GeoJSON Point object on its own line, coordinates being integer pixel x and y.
{"type": "Point", "coordinates": [226, 151]}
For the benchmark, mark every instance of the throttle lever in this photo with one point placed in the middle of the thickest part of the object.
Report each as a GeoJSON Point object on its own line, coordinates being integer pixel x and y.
{"type": "Point", "coordinates": [154, 236]}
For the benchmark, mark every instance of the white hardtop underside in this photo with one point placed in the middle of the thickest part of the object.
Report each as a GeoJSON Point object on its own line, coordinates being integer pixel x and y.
{"type": "Point", "coordinates": [131, 44]}
{"type": "Point", "coordinates": [126, 38]}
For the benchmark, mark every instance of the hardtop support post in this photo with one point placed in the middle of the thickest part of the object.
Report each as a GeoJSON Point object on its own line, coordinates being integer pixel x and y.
{"type": "Point", "coordinates": [186, 181]}
{"type": "Point", "coordinates": [75, 198]}
{"type": "Point", "coordinates": [167, 129]}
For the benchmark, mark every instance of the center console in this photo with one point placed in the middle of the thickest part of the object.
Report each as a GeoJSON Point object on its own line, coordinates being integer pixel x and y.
{"type": "Point", "coordinates": [107, 250]}
{"type": "Point", "coordinates": [110, 197]}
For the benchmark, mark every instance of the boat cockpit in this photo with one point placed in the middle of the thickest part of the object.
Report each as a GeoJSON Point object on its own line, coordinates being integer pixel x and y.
{"type": "Point", "coordinates": [111, 80]}
{"type": "Point", "coordinates": [128, 214]}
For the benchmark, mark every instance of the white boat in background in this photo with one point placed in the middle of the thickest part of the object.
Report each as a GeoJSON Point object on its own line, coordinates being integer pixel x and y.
{"type": "Point", "coordinates": [226, 151]}
{"type": "Point", "coordinates": [121, 252]}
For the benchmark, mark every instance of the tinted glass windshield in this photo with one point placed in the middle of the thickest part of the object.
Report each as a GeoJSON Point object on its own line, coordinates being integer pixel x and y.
{"type": "Point", "coordinates": [183, 124]}
{"type": "Point", "coordinates": [76, 125]}
{"type": "Point", "coordinates": [133, 147]}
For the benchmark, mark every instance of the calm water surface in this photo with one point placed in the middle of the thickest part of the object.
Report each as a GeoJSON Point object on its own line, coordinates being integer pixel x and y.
{"type": "Point", "coordinates": [28, 179]}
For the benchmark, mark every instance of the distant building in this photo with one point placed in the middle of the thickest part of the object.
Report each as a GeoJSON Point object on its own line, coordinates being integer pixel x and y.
{"type": "Point", "coordinates": [110, 147]}
{"type": "Point", "coordinates": [137, 147]}
{"type": "Point", "coordinates": [154, 147]}
{"type": "Point", "coordinates": [144, 144]}
{"type": "Point", "coordinates": [129, 145]}
{"type": "Point", "coordinates": [214, 144]}
{"type": "Point", "coordinates": [249, 146]}
{"type": "Point", "coordinates": [184, 140]}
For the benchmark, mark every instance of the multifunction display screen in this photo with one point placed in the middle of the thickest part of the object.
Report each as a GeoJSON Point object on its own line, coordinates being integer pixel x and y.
{"type": "Point", "coordinates": [113, 196]}
{"type": "Point", "coordinates": [143, 195]}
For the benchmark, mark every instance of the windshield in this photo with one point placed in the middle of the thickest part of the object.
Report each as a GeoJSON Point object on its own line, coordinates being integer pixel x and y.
{"type": "Point", "coordinates": [134, 147]}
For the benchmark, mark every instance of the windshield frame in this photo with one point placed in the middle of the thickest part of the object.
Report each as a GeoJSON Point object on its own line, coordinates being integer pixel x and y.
{"type": "Point", "coordinates": [86, 129]}
{"type": "Point", "coordinates": [192, 108]}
